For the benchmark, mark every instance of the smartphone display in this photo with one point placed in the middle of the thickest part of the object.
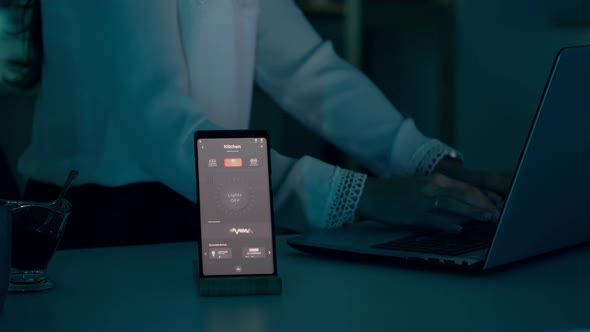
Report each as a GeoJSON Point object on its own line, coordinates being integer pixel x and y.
{"type": "Point", "coordinates": [235, 203]}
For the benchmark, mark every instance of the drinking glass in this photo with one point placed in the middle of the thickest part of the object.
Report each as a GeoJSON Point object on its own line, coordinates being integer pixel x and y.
{"type": "Point", "coordinates": [37, 229]}
{"type": "Point", "coordinates": [4, 253]}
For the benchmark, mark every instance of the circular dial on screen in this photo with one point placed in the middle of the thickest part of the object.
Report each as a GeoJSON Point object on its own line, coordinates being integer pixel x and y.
{"type": "Point", "coordinates": [235, 195]}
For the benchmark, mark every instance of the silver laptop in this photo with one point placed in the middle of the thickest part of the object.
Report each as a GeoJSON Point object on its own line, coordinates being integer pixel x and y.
{"type": "Point", "coordinates": [547, 207]}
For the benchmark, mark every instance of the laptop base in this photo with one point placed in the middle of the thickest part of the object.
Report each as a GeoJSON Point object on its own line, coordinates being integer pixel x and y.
{"type": "Point", "coordinates": [427, 264]}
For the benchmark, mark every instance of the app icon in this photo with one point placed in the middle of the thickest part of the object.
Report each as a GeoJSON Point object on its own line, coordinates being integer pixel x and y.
{"type": "Point", "coordinates": [220, 253]}
{"type": "Point", "coordinates": [232, 162]}
{"type": "Point", "coordinates": [253, 252]}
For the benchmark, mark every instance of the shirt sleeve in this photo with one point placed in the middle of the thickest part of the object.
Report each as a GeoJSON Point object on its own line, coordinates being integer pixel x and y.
{"type": "Point", "coordinates": [153, 116]}
{"type": "Point", "coordinates": [138, 54]}
{"type": "Point", "coordinates": [310, 81]}
{"type": "Point", "coordinates": [310, 194]}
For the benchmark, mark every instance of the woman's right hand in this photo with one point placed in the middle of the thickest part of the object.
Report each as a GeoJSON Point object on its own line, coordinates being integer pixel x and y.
{"type": "Point", "coordinates": [433, 201]}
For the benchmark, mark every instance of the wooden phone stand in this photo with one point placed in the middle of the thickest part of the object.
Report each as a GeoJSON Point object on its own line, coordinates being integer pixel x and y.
{"type": "Point", "coordinates": [236, 286]}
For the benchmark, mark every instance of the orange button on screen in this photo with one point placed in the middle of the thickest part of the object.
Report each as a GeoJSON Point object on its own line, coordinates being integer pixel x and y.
{"type": "Point", "coordinates": [232, 162]}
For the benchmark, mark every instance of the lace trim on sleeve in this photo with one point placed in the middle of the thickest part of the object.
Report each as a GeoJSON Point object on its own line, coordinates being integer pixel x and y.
{"type": "Point", "coordinates": [428, 156]}
{"type": "Point", "coordinates": [345, 193]}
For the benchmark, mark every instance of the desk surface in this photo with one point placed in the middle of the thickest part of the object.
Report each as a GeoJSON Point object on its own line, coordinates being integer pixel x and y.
{"type": "Point", "coordinates": [150, 288]}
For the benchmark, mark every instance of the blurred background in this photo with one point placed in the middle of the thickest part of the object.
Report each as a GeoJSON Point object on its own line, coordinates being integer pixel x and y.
{"type": "Point", "coordinates": [470, 72]}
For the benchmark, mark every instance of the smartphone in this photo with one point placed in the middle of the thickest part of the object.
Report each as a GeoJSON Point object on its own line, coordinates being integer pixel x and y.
{"type": "Point", "coordinates": [234, 201]}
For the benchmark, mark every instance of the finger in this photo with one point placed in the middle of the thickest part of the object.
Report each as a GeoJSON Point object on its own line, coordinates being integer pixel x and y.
{"type": "Point", "coordinates": [468, 194]}
{"type": "Point", "coordinates": [499, 183]}
{"type": "Point", "coordinates": [458, 208]}
{"type": "Point", "coordinates": [493, 197]}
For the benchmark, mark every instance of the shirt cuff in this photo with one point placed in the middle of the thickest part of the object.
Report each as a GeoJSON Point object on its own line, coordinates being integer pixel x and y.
{"type": "Point", "coordinates": [345, 193]}
{"type": "Point", "coordinates": [428, 155]}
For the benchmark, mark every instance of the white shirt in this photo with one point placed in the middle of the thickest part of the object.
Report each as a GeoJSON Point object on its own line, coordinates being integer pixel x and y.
{"type": "Point", "coordinates": [126, 83]}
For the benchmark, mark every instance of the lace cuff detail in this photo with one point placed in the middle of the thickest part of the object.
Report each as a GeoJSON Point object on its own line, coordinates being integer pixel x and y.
{"type": "Point", "coordinates": [428, 156]}
{"type": "Point", "coordinates": [345, 194]}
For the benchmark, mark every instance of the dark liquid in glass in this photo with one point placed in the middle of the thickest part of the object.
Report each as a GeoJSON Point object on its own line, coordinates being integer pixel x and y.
{"type": "Point", "coordinates": [32, 250]}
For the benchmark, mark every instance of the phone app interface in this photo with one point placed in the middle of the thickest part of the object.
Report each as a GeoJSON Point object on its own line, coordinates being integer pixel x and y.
{"type": "Point", "coordinates": [234, 194]}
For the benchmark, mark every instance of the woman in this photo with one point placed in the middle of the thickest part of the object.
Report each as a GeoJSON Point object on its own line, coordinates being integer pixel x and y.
{"type": "Point", "coordinates": [126, 83]}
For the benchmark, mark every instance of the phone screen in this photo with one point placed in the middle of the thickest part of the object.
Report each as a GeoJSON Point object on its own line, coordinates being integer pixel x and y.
{"type": "Point", "coordinates": [235, 206]}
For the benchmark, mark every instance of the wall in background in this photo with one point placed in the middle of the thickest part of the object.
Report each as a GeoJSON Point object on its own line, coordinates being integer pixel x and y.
{"type": "Point", "coordinates": [506, 50]}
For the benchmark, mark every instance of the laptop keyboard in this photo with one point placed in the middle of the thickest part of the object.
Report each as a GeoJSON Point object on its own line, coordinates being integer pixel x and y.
{"type": "Point", "coordinates": [474, 236]}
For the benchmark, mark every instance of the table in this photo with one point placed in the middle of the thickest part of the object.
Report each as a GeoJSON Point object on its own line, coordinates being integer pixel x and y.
{"type": "Point", "coordinates": [150, 288]}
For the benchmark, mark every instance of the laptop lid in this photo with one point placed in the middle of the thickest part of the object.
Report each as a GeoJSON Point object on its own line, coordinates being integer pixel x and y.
{"type": "Point", "coordinates": [547, 205]}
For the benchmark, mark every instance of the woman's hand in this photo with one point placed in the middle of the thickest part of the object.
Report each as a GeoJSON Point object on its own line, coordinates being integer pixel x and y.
{"type": "Point", "coordinates": [434, 201]}
{"type": "Point", "coordinates": [495, 186]}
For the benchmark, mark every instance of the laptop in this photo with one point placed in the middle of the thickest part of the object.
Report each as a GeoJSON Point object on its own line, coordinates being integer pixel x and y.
{"type": "Point", "coordinates": [546, 208]}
